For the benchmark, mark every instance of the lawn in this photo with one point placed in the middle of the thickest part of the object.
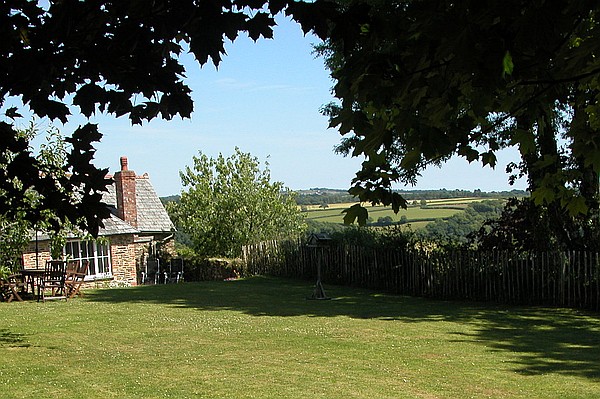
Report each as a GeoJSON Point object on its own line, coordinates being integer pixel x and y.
{"type": "Point", "coordinates": [260, 338]}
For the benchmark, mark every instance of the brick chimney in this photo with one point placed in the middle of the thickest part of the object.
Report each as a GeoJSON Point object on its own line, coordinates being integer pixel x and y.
{"type": "Point", "coordinates": [125, 189]}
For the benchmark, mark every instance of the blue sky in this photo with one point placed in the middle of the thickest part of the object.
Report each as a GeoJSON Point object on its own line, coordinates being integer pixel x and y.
{"type": "Point", "coordinates": [265, 99]}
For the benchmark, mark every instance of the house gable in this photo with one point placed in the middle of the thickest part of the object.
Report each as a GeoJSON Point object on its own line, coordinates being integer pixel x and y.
{"type": "Point", "coordinates": [150, 214]}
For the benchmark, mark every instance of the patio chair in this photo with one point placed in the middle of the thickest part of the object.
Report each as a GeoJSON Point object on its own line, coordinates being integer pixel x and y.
{"type": "Point", "coordinates": [152, 273]}
{"type": "Point", "coordinates": [10, 287]}
{"type": "Point", "coordinates": [53, 280]}
{"type": "Point", "coordinates": [75, 277]}
{"type": "Point", "coordinates": [175, 271]}
{"type": "Point", "coordinates": [71, 268]}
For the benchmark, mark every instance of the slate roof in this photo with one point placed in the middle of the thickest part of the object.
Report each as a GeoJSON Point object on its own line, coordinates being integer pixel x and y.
{"type": "Point", "coordinates": [112, 226]}
{"type": "Point", "coordinates": [151, 214]}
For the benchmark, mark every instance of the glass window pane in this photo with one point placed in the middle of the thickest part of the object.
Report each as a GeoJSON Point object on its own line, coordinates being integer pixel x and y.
{"type": "Point", "coordinates": [69, 249]}
{"type": "Point", "coordinates": [90, 248]}
{"type": "Point", "coordinates": [96, 254]}
{"type": "Point", "coordinates": [92, 266]}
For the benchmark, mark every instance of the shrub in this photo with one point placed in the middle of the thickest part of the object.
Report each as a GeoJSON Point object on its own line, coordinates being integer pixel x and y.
{"type": "Point", "coordinates": [199, 268]}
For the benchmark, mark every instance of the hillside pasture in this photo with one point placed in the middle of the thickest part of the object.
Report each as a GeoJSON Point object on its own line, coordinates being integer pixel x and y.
{"type": "Point", "coordinates": [335, 215]}
{"type": "Point", "coordinates": [434, 203]}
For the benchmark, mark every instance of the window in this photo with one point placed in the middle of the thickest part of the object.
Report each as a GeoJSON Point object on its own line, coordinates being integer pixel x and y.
{"type": "Point", "coordinates": [96, 253]}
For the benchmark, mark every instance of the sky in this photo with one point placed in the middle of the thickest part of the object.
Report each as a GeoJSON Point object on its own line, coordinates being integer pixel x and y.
{"type": "Point", "coordinates": [265, 99]}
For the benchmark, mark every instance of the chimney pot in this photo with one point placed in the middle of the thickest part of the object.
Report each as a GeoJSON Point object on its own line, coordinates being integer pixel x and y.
{"type": "Point", "coordinates": [124, 163]}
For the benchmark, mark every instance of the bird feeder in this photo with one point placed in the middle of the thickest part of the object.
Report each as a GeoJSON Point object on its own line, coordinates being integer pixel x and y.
{"type": "Point", "coordinates": [319, 242]}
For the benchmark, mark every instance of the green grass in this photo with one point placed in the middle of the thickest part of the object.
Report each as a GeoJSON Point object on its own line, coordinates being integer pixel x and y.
{"type": "Point", "coordinates": [260, 338]}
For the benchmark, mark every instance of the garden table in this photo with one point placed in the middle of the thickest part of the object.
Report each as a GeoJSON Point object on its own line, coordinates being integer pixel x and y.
{"type": "Point", "coordinates": [31, 278]}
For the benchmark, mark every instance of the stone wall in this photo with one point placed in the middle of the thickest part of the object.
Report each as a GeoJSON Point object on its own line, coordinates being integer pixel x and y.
{"type": "Point", "coordinates": [122, 251]}
{"type": "Point", "coordinates": [43, 254]}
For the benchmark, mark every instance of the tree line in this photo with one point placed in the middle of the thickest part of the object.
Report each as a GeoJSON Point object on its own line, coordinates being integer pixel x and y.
{"type": "Point", "coordinates": [331, 196]}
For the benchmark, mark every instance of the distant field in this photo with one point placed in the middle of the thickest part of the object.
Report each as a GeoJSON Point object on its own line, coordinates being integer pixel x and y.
{"type": "Point", "coordinates": [456, 200]}
{"type": "Point", "coordinates": [434, 202]}
{"type": "Point", "coordinates": [342, 205]}
{"type": "Point", "coordinates": [415, 225]}
{"type": "Point", "coordinates": [416, 216]}
{"type": "Point", "coordinates": [335, 215]}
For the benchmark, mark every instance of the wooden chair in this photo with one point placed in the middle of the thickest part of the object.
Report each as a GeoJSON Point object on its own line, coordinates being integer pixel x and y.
{"type": "Point", "coordinates": [53, 280]}
{"type": "Point", "coordinates": [10, 288]}
{"type": "Point", "coordinates": [72, 266]}
{"type": "Point", "coordinates": [75, 277]}
{"type": "Point", "coordinates": [70, 274]}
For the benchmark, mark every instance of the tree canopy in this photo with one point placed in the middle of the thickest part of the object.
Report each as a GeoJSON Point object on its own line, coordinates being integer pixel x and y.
{"type": "Point", "coordinates": [417, 82]}
{"type": "Point", "coordinates": [231, 202]}
{"type": "Point", "coordinates": [16, 231]}
{"type": "Point", "coordinates": [117, 57]}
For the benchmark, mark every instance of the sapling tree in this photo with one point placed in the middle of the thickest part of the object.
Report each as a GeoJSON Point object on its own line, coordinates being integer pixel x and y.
{"type": "Point", "coordinates": [228, 202]}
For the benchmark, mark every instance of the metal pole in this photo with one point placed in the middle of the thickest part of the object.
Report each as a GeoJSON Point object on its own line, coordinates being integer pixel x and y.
{"type": "Point", "coordinates": [319, 292]}
{"type": "Point", "coordinates": [36, 249]}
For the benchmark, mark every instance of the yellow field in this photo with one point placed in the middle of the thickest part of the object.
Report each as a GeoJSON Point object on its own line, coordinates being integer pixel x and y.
{"type": "Point", "coordinates": [433, 202]}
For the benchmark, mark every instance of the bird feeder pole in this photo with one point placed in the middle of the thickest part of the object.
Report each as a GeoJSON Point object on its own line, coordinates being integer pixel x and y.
{"type": "Point", "coordinates": [319, 242]}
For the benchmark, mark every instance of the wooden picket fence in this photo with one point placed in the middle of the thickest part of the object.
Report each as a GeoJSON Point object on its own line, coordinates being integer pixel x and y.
{"type": "Point", "coordinates": [570, 279]}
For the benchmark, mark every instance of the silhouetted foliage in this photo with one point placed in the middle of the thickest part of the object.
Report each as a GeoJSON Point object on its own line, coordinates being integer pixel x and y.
{"type": "Point", "coordinates": [419, 82]}
{"type": "Point", "coordinates": [525, 226]}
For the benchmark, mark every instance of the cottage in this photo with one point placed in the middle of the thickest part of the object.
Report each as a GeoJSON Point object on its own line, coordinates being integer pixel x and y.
{"type": "Point", "coordinates": [137, 227]}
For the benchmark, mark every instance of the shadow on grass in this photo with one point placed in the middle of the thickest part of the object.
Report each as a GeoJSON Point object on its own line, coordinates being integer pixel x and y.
{"type": "Point", "coordinates": [546, 341]}
{"type": "Point", "coordinates": [543, 340]}
{"type": "Point", "coordinates": [12, 340]}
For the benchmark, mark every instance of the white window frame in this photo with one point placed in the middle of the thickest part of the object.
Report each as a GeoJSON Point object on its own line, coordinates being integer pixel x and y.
{"type": "Point", "coordinates": [95, 252]}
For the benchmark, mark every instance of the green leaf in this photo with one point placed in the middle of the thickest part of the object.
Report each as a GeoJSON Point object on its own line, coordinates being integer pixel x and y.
{"type": "Point", "coordinates": [525, 140]}
{"type": "Point", "coordinates": [577, 206]}
{"type": "Point", "coordinates": [87, 96]}
{"type": "Point", "coordinates": [592, 158]}
{"type": "Point", "coordinates": [469, 153]}
{"type": "Point", "coordinates": [356, 212]}
{"type": "Point", "coordinates": [411, 159]}
{"type": "Point", "coordinates": [398, 201]}
{"type": "Point", "coordinates": [488, 158]}
{"type": "Point", "coordinates": [507, 64]}
{"type": "Point", "coordinates": [543, 195]}
{"type": "Point", "coordinates": [260, 25]}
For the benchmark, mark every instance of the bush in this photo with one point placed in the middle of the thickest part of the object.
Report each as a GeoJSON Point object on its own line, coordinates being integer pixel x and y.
{"type": "Point", "coordinates": [383, 237]}
{"type": "Point", "coordinates": [209, 269]}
